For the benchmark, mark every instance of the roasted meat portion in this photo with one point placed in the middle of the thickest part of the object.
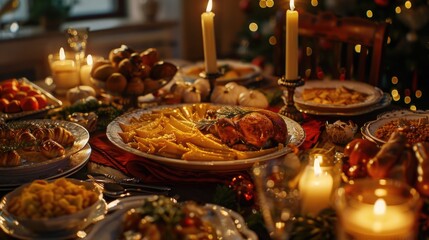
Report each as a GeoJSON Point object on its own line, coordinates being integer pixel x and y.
{"type": "Point", "coordinates": [245, 129]}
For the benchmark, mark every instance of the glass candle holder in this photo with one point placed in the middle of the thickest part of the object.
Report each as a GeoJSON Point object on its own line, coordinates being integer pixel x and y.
{"type": "Point", "coordinates": [319, 181]}
{"type": "Point", "coordinates": [377, 209]}
{"type": "Point", "coordinates": [278, 196]}
{"type": "Point", "coordinates": [65, 70]}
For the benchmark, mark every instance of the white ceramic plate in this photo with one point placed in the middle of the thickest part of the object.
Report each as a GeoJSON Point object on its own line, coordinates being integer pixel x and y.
{"type": "Point", "coordinates": [374, 94]}
{"type": "Point", "coordinates": [191, 72]}
{"type": "Point", "coordinates": [296, 136]}
{"type": "Point", "coordinates": [369, 128]}
{"type": "Point", "coordinates": [384, 102]}
{"type": "Point", "coordinates": [73, 164]}
{"type": "Point", "coordinates": [227, 222]}
{"type": "Point", "coordinates": [18, 231]}
{"type": "Point", "coordinates": [31, 168]}
{"type": "Point", "coordinates": [52, 102]}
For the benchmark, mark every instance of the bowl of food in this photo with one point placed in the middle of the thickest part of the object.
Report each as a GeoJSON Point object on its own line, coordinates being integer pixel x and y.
{"type": "Point", "coordinates": [61, 205]}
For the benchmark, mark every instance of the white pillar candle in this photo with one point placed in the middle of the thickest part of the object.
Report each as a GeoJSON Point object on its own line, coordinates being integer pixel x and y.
{"type": "Point", "coordinates": [378, 221]}
{"type": "Point", "coordinates": [207, 22]}
{"type": "Point", "coordinates": [291, 66]}
{"type": "Point", "coordinates": [315, 188]}
{"type": "Point", "coordinates": [85, 72]}
{"type": "Point", "coordinates": [64, 72]}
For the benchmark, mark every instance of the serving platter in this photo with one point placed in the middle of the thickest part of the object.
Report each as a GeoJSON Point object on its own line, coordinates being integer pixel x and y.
{"type": "Point", "coordinates": [52, 102]}
{"type": "Point", "coordinates": [71, 166]}
{"type": "Point", "coordinates": [369, 129]}
{"type": "Point", "coordinates": [28, 169]}
{"type": "Point", "coordinates": [374, 95]}
{"type": "Point", "coordinates": [229, 224]}
{"type": "Point", "coordinates": [296, 137]}
{"type": "Point", "coordinates": [192, 71]}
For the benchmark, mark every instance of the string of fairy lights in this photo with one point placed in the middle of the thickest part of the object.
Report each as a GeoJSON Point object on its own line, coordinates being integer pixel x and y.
{"type": "Point", "coordinates": [405, 96]}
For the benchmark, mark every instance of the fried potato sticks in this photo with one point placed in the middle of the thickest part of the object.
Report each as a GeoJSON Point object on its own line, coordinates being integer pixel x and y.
{"type": "Point", "coordinates": [172, 132]}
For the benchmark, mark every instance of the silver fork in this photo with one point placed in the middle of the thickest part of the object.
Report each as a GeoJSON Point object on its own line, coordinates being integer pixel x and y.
{"type": "Point", "coordinates": [127, 182]}
{"type": "Point", "coordinates": [114, 190]}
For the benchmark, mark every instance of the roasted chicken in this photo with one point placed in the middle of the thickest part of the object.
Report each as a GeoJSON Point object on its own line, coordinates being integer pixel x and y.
{"type": "Point", "coordinates": [245, 129]}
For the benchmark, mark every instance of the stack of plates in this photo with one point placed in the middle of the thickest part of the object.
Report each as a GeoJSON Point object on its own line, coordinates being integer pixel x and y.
{"type": "Point", "coordinates": [75, 157]}
{"type": "Point", "coordinates": [376, 99]}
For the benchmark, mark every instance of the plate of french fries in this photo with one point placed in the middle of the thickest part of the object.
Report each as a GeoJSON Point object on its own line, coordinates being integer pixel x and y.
{"type": "Point", "coordinates": [170, 135]}
{"type": "Point", "coordinates": [335, 94]}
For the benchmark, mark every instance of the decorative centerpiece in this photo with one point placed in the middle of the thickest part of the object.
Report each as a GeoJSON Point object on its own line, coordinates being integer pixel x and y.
{"type": "Point", "coordinates": [129, 74]}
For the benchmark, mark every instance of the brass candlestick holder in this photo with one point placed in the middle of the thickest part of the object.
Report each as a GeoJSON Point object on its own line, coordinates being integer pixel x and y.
{"type": "Point", "coordinates": [289, 110]}
{"type": "Point", "coordinates": [212, 80]}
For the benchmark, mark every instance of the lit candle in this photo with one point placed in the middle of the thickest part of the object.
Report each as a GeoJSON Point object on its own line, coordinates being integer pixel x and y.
{"type": "Point", "coordinates": [291, 66]}
{"type": "Point", "coordinates": [315, 188]}
{"type": "Point", "coordinates": [85, 71]}
{"type": "Point", "coordinates": [379, 221]}
{"type": "Point", "coordinates": [209, 39]}
{"type": "Point", "coordinates": [64, 72]}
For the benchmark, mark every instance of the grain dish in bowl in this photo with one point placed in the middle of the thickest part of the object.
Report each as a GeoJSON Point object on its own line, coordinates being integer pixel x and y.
{"type": "Point", "coordinates": [52, 206]}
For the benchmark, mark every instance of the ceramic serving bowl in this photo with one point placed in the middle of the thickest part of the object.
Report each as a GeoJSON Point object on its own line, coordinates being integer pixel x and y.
{"type": "Point", "coordinates": [65, 223]}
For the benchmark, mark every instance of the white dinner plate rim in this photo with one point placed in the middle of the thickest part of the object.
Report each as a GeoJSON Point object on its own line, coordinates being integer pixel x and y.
{"type": "Point", "coordinates": [375, 94]}
{"type": "Point", "coordinates": [113, 129]}
{"type": "Point", "coordinates": [75, 162]}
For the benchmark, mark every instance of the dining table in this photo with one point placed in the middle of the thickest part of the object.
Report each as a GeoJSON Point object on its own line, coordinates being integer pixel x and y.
{"type": "Point", "coordinates": [106, 160]}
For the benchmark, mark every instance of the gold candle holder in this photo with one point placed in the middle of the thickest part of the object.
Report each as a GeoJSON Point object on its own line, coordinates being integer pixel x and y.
{"type": "Point", "coordinates": [211, 77]}
{"type": "Point", "coordinates": [289, 110]}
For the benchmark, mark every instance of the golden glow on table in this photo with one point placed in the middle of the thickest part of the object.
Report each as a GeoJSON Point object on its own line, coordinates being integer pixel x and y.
{"type": "Point", "coordinates": [207, 23]}
{"type": "Point", "coordinates": [315, 188]}
{"type": "Point", "coordinates": [85, 71]}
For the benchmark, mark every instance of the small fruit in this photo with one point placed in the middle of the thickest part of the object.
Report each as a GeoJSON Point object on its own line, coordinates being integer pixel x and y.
{"type": "Point", "coordinates": [103, 72]}
{"type": "Point", "coordinates": [33, 92]}
{"type": "Point", "coordinates": [98, 64]}
{"type": "Point", "coordinates": [25, 87]}
{"type": "Point", "coordinates": [10, 83]}
{"type": "Point", "coordinates": [149, 57]}
{"type": "Point", "coordinates": [125, 68]}
{"type": "Point", "coordinates": [8, 96]}
{"type": "Point", "coordinates": [29, 104]}
{"type": "Point", "coordinates": [3, 103]}
{"type": "Point", "coordinates": [41, 99]}
{"type": "Point", "coordinates": [360, 151]}
{"type": "Point", "coordinates": [13, 107]}
{"type": "Point", "coordinates": [135, 87]}
{"type": "Point", "coordinates": [163, 70]}
{"type": "Point", "coordinates": [10, 89]}
{"type": "Point", "coordinates": [20, 95]}
{"type": "Point", "coordinates": [116, 83]}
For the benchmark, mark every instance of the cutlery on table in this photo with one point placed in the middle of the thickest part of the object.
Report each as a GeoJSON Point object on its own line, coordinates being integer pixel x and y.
{"type": "Point", "coordinates": [128, 183]}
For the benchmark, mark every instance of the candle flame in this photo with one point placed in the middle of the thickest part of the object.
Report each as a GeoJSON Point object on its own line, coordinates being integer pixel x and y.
{"type": "Point", "coordinates": [89, 60]}
{"type": "Point", "coordinates": [62, 54]}
{"type": "Point", "coordinates": [317, 168]}
{"type": "Point", "coordinates": [209, 6]}
{"type": "Point", "coordinates": [379, 207]}
{"type": "Point", "coordinates": [292, 5]}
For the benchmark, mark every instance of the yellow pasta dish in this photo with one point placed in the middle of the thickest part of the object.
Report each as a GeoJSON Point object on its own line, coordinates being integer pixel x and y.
{"type": "Point", "coordinates": [206, 132]}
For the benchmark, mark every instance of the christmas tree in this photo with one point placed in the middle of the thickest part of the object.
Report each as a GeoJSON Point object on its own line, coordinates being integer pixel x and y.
{"type": "Point", "coordinates": [406, 57]}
